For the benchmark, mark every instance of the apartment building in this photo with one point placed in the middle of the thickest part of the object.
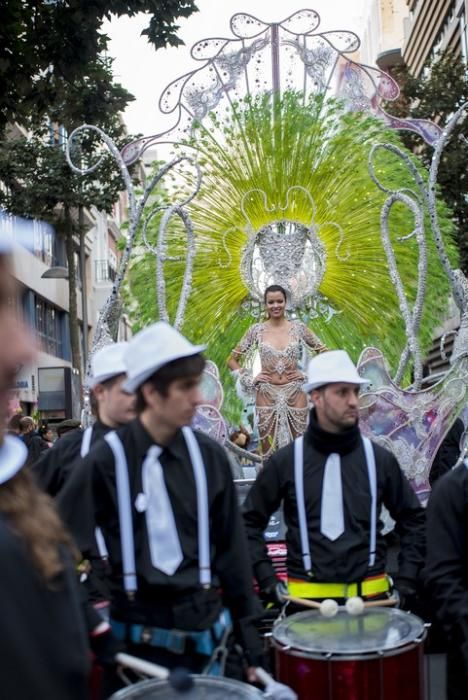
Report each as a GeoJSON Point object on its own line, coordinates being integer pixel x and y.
{"type": "Point", "coordinates": [435, 26]}
{"type": "Point", "coordinates": [413, 32]}
{"type": "Point", "coordinates": [51, 385]}
{"type": "Point", "coordinates": [385, 26]}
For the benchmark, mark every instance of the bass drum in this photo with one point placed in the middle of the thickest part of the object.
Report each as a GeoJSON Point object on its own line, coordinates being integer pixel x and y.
{"type": "Point", "coordinates": [374, 656]}
{"type": "Point", "coordinates": [205, 687]}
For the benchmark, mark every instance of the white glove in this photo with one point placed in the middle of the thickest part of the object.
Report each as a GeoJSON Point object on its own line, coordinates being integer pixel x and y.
{"type": "Point", "coordinates": [273, 689]}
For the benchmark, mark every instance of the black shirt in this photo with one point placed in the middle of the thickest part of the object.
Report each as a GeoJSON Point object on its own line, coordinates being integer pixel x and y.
{"type": "Point", "coordinates": [346, 559]}
{"type": "Point", "coordinates": [448, 452]}
{"type": "Point", "coordinates": [446, 572]}
{"type": "Point", "coordinates": [89, 498]}
{"type": "Point", "coordinates": [43, 646]}
{"type": "Point", "coordinates": [53, 467]}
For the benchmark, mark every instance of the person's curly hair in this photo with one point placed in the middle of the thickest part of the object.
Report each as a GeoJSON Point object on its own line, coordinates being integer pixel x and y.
{"type": "Point", "coordinates": [32, 516]}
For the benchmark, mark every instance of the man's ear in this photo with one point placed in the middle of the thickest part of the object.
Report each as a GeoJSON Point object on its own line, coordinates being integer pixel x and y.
{"type": "Point", "coordinates": [148, 391]}
{"type": "Point", "coordinates": [314, 395]}
{"type": "Point", "coordinates": [98, 390]}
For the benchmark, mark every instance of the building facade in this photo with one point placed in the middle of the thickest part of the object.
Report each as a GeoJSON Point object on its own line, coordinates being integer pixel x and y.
{"type": "Point", "coordinates": [435, 26]}
{"type": "Point", "coordinates": [413, 32]}
{"type": "Point", "coordinates": [385, 26]}
{"type": "Point", "coordinates": [51, 386]}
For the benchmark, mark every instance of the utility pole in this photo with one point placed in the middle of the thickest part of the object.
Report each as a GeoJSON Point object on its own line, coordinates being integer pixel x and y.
{"type": "Point", "coordinates": [84, 294]}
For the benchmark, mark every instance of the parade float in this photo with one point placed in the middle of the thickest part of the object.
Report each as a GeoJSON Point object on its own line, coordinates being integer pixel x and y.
{"type": "Point", "coordinates": [287, 169]}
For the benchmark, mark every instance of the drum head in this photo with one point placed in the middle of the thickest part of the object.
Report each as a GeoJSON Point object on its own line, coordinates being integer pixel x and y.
{"type": "Point", "coordinates": [206, 687]}
{"type": "Point", "coordinates": [376, 630]}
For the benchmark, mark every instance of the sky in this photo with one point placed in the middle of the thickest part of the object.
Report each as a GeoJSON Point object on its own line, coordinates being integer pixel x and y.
{"type": "Point", "coordinates": [145, 72]}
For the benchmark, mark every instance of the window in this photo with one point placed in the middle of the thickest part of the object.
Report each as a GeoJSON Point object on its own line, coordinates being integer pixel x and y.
{"type": "Point", "coordinates": [46, 244]}
{"type": "Point", "coordinates": [58, 135]}
{"type": "Point", "coordinates": [464, 37]}
{"type": "Point", "coordinates": [78, 272]}
{"type": "Point", "coordinates": [49, 328]}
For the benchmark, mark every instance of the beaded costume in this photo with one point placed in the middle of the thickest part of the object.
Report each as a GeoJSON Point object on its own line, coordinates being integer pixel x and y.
{"type": "Point", "coordinates": [281, 405]}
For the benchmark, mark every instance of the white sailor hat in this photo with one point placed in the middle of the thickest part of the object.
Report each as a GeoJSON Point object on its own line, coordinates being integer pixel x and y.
{"type": "Point", "coordinates": [13, 455]}
{"type": "Point", "coordinates": [151, 349]}
{"type": "Point", "coordinates": [108, 363]}
{"type": "Point", "coordinates": [329, 368]}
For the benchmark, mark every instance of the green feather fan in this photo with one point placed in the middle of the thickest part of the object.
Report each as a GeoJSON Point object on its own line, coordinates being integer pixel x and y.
{"type": "Point", "coordinates": [269, 146]}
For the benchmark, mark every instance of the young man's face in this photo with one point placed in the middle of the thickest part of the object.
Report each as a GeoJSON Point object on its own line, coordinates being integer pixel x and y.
{"type": "Point", "coordinates": [17, 346]}
{"type": "Point", "coordinates": [115, 406]}
{"type": "Point", "coordinates": [177, 408]}
{"type": "Point", "coordinates": [336, 406]}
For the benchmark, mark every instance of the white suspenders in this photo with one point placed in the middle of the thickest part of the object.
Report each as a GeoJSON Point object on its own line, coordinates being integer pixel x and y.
{"type": "Point", "coordinates": [124, 505]}
{"type": "Point", "coordinates": [86, 441]}
{"type": "Point", "coordinates": [125, 510]}
{"type": "Point", "coordinates": [204, 559]}
{"type": "Point", "coordinates": [300, 499]}
{"type": "Point", "coordinates": [372, 473]}
{"type": "Point", "coordinates": [84, 449]}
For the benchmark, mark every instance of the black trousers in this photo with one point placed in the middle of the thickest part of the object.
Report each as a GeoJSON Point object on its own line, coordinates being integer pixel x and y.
{"type": "Point", "coordinates": [457, 674]}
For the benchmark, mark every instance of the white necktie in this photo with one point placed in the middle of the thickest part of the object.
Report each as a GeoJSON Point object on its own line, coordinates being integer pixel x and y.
{"type": "Point", "coordinates": [332, 517]}
{"type": "Point", "coordinates": [165, 550]}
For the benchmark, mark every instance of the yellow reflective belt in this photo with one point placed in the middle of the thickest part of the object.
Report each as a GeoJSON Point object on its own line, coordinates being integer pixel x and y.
{"type": "Point", "coordinates": [307, 589]}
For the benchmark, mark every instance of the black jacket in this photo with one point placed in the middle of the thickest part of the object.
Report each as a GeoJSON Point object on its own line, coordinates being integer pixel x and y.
{"type": "Point", "coordinates": [36, 446]}
{"type": "Point", "coordinates": [53, 467]}
{"type": "Point", "coordinates": [345, 559]}
{"type": "Point", "coordinates": [448, 452]}
{"type": "Point", "coordinates": [43, 646]}
{"type": "Point", "coordinates": [446, 571]}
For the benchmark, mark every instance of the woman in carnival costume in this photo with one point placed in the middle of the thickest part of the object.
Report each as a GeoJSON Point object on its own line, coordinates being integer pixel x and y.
{"type": "Point", "coordinates": [281, 405]}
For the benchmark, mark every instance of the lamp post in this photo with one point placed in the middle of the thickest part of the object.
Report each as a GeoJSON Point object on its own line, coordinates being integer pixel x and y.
{"type": "Point", "coordinates": [55, 273]}
{"type": "Point", "coordinates": [84, 295]}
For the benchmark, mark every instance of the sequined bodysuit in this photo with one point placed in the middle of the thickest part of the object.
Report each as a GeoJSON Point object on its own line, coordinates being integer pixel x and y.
{"type": "Point", "coordinates": [281, 405]}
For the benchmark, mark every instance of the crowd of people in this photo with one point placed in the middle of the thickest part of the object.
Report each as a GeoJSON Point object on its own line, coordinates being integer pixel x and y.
{"type": "Point", "coordinates": [141, 511]}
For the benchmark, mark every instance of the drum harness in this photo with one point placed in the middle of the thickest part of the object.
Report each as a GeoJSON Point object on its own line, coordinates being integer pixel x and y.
{"type": "Point", "coordinates": [211, 642]}
{"type": "Point", "coordinates": [333, 590]}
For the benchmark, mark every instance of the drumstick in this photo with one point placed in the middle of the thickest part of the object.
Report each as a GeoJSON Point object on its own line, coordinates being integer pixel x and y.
{"type": "Point", "coordinates": [327, 608]}
{"type": "Point", "coordinates": [142, 666]}
{"type": "Point", "coordinates": [306, 603]}
{"type": "Point", "coordinates": [386, 603]}
{"type": "Point", "coordinates": [302, 601]}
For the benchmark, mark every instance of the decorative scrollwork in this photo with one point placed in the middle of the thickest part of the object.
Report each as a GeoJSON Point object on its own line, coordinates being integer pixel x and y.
{"type": "Point", "coordinates": [261, 57]}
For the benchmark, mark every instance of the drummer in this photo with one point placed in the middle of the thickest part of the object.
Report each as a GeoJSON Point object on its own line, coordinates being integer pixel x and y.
{"type": "Point", "coordinates": [332, 484]}
{"type": "Point", "coordinates": [446, 570]}
{"type": "Point", "coordinates": [164, 499]}
{"type": "Point", "coordinates": [114, 407]}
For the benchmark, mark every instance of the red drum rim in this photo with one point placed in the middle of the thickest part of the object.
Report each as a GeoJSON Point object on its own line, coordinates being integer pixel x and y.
{"type": "Point", "coordinates": [335, 656]}
{"type": "Point", "coordinates": [379, 632]}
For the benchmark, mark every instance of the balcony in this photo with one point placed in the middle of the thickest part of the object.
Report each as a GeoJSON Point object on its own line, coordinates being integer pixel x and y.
{"type": "Point", "coordinates": [103, 271]}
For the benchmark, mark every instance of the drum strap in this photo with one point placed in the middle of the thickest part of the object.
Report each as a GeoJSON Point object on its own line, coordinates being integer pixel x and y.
{"type": "Point", "coordinates": [300, 500]}
{"type": "Point", "coordinates": [125, 510]}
